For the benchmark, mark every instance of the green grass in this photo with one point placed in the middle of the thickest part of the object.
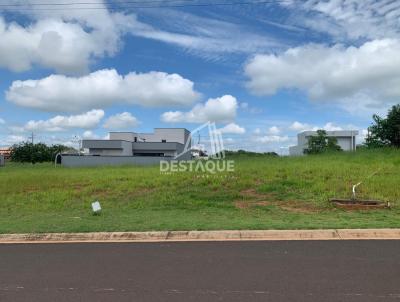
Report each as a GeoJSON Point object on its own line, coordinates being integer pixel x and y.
{"type": "Point", "coordinates": [263, 193]}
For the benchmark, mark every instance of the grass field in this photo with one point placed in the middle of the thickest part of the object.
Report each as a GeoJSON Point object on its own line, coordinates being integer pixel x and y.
{"type": "Point", "coordinates": [263, 193]}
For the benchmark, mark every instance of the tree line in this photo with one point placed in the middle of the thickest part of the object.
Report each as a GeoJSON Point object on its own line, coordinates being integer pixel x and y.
{"type": "Point", "coordinates": [27, 152]}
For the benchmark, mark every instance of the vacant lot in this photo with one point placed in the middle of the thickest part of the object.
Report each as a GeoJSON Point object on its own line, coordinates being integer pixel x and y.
{"type": "Point", "coordinates": [263, 193]}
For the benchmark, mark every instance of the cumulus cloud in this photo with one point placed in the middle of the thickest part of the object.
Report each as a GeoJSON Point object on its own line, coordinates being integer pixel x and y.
{"type": "Point", "coordinates": [368, 76]}
{"type": "Point", "coordinates": [66, 41]}
{"type": "Point", "coordinates": [12, 139]}
{"type": "Point", "coordinates": [332, 127]}
{"type": "Point", "coordinates": [297, 126]}
{"type": "Point", "coordinates": [59, 93]}
{"type": "Point", "coordinates": [232, 128]}
{"type": "Point", "coordinates": [274, 130]}
{"type": "Point", "coordinates": [89, 134]}
{"type": "Point", "coordinates": [222, 109]}
{"type": "Point", "coordinates": [123, 120]}
{"type": "Point", "coordinates": [88, 120]}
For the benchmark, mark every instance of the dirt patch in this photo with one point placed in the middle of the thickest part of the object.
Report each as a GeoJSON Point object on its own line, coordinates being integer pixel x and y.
{"type": "Point", "coordinates": [359, 204]}
{"type": "Point", "coordinates": [252, 193]}
{"type": "Point", "coordinates": [251, 198]}
{"type": "Point", "coordinates": [263, 200]}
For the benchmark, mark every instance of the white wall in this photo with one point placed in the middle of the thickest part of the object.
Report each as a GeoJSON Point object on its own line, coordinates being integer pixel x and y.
{"type": "Point", "coordinates": [345, 143]}
{"type": "Point", "coordinates": [173, 135]}
{"type": "Point", "coordinates": [126, 136]}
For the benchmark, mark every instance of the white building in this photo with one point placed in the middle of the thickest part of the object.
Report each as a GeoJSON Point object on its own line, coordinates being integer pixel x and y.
{"type": "Point", "coordinates": [163, 142]}
{"type": "Point", "coordinates": [346, 139]}
{"type": "Point", "coordinates": [124, 148]}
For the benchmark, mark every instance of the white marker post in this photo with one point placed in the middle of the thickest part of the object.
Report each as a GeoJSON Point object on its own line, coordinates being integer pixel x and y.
{"type": "Point", "coordinates": [96, 208]}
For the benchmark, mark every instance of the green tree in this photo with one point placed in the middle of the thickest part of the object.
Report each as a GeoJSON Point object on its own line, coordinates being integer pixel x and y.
{"type": "Point", "coordinates": [35, 153]}
{"type": "Point", "coordinates": [321, 143]}
{"type": "Point", "coordinates": [385, 131]}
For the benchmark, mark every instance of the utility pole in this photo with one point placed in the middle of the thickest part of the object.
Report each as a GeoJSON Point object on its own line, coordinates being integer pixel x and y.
{"type": "Point", "coordinates": [77, 139]}
{"type": "Point", "coordinates": [31, 137]}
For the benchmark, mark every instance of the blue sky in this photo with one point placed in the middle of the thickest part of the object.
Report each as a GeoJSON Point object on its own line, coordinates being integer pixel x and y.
{"type": "Point", "coordinates": [263, 72]}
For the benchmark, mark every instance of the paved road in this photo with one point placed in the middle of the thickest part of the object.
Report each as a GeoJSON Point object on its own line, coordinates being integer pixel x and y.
{"type": "Point", "coordinates": [202, 271]}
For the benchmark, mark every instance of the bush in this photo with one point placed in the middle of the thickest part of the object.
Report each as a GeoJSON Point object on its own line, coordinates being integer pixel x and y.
{"type": "Point", "coordinates": [35, 153]}
{"type": "Point", "coordinates": [385, 131]}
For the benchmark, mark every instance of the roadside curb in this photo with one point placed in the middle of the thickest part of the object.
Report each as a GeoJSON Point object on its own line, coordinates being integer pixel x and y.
{"type": "Point", "coordinates": [173, 236]}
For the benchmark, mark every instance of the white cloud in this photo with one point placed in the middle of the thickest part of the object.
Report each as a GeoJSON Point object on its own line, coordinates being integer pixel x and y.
{"type": "Point", "coordinates": [331, 127]}
{"type": "Point", "coordinates": [66, 41]}
{"type": "Point", "coordinates": [88, 120]}
{"type": "Point", "coordinates": [363, 77]}
{"type": "Point", "coordinates": [10, 140]}
{"type": "Point", "coordinates": [102, 88]}
{"type": "Point", "coordinates": [221, 110]}
{"type": "Point", "coordinates": [123, 120]}
{"type": "Point", "coordinates": [272, 139]}
{"type": "Point", "coordinates": [274, 130]}
{"type": "Point", "coordinates": [350, 19]}
{"type": "Point", "coordinates": [89, 134]}
{"type": "Point", "coordinates": [232, 128]}
{"type": "Point", "coordinates": [209, 38]}
{"type": "Point", "coordinates": [2, 122]}
{"type": "Point", "coordinates": [70, 40]}
{"type": "Point", "coordinates": [363, 134]}
{"type": "Point", "coordinates": [297, 126]}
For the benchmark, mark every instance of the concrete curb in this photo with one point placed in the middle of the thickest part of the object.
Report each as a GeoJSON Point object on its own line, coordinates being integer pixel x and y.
{"type": "Point", "coordinates": [173, 236]}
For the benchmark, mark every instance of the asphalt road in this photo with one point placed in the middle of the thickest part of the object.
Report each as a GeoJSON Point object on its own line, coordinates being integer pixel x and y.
{"type": "Point", "coordinates": [202, 271]}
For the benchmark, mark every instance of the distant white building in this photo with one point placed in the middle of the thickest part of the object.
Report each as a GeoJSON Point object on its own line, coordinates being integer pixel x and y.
{"type": "Point", "coordinates": [346, 139]}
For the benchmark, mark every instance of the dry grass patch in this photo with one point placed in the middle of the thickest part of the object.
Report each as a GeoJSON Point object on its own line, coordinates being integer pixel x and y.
{"type": "Point", "coordinates": [256, 199]}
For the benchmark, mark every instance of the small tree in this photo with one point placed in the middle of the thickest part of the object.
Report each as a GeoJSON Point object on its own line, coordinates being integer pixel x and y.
{"type": "Point", "coordinates": [321, 143]}
{"type": "Point", "coordinates": [385, 131]}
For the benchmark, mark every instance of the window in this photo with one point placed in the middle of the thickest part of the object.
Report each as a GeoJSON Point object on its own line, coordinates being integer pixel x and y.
{"type": "Point", "coordinates": [149, 154]}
